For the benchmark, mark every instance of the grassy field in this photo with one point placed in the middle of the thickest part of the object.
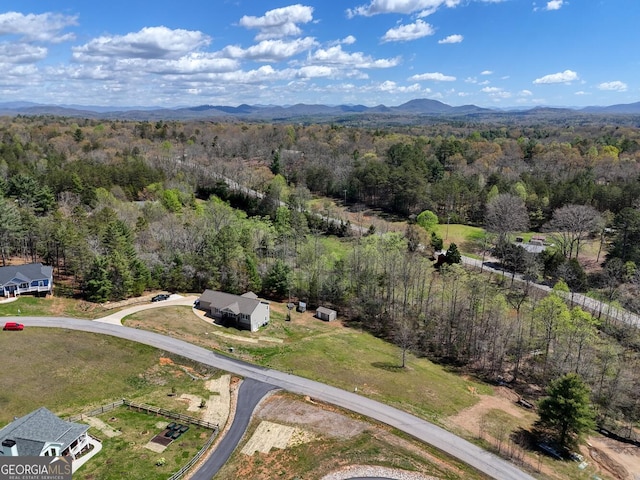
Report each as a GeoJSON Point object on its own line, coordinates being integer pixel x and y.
{"type": "Point", "coordinates": [125, 456]}
{"type": "Point", "coordinates": [330, 353]}
{"type": "Point", "coordinates": [69, 372]}
{"type": "Point", "coordinates": [51, 306]}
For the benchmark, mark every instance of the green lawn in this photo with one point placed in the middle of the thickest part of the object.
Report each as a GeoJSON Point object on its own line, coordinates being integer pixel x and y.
{"type": "Point", "coordinates": [69, 372]}
{"type": "Point", "coordinates": [51, 306]}
{"type": "Point", "coordinates": [125, 456]}
{"type": "Point", "coordinates": [330, 353]}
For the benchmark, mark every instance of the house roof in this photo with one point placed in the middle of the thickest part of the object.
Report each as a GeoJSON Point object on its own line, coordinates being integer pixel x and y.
{"type": "Point", "coordinates": [533, 247]}
{"type": "Point", "coordinates": [25, 273]}
{"type": "Point", "coordinates": [245, 304]}
{"type": "Point", "coordinates": [33, 431]}
{"type": "Point", "coordinates": [325, 310]}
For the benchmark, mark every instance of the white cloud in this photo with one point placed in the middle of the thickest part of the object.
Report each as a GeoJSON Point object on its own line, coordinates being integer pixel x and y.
{"type": "Point", "coordinates": [525, 93]}
{"type": "Point", "coordinates": [45, 27]}
{"type": "Point", "coordinates": [616, 86]}
{"type": "Point", "coordinates": [434, 76]}
{"type": "Point", "coordinates": [486, 72]}
{"type": "Point", "coordinates": [452, 39]}
{"type": "Point", "coordinates": [376, 7]}
{"type": "Point", "coordinates": [581, 92]}
{"type": "Point", "coordinates": [471, 80]}
{"type": "Point", "coordinates": [14, 53]}
{"type": "Point", "coordinates": [405, 33]}
{"type": "Point", "coordinates": [196, 62]}
{"type": "Point", "coordinates": [348, 40]}
{"type": "Point", "coordinates": [280, 22]}
{"type": "Point", "coordinates": [567, 76]}
{"type": "Point", "coordinates": [554, 5]}
{"type": "Point", "coordinates": [390, 86]}
{"type": "Point", "coordinates": [148, 43]}
{"type": "Point", "coordinates": [496, 93]}
{"type": "Point", "coordinates": [314, 71]}
{"type": "Point", "coordinates": [270, 50]}
{"type": "Point", "coordinates": [336, 56]}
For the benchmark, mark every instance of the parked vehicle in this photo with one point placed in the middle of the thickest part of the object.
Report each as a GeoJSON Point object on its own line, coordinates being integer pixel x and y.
{"type": "Point", "coordinates": [160, 297]}
{"type": "Point", "coordinates": [13, 326]}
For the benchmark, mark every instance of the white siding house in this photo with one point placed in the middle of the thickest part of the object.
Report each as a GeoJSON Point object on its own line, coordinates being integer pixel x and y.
{"type": "Point", "coordinates": [244, 311]}
{"type": "Point", "coordinates": [41, 433]}
{"type": "Point", "coordinates": [31, 278]}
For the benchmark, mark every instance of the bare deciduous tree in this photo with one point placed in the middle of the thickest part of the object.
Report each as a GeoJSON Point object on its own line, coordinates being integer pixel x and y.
{"type": "Point", "coordinates": [506, 213]}
{"type": "Point", "coordinates": [571, 225]}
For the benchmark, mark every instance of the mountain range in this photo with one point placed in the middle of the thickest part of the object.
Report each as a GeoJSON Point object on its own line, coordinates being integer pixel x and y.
{"type": "Point", "coordinates": [305, 112]}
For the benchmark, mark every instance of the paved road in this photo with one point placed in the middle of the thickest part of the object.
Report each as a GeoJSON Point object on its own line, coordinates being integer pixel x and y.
{"type": "Point", "coordinates": [469, 453]}
{"type": "Point", "coordinates": [116, 318]}
{"type": "Point", "coordinates": [250, 393]}
{"type": "Point", "coordinates": [596, 307]}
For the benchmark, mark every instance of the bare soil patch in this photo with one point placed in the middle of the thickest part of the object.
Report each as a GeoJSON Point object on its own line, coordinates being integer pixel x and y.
{"type": "Point", "coordinates": [216, 407]}
{"type": "Point", "coordinates": [504, 399]}
{"type": "Point", "coordinates": [616, 458]}
{"type": "Point", "coordinates": [311, 416]}
{"type": "Point", "coordinates": [612, 458]}
{"type": "Point", "coordinates": [270, 435]}
{"type": "Point", "coordinates": [102, 426]}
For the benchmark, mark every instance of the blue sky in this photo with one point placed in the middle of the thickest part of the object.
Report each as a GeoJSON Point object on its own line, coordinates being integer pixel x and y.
{"type": "Point", "coordinates": [492, 53]}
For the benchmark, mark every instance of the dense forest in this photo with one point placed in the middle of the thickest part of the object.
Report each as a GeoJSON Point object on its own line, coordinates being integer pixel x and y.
{"type": "Point", "coordinates": [120, 207]}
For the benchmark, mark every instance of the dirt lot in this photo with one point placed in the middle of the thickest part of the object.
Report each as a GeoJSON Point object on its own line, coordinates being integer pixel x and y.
{"type": "Point", "coordinates": [286, 421]}
{"type": "Point", "coordinates": [610, 458]}
{"type": "Point", "coordinates": [309, 416]}
{"type": "Point", "coordinates": [620, 460]}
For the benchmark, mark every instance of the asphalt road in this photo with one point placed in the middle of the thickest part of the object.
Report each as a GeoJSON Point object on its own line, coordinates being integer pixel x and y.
{"type": "Point", "coordinates": [249, 395]}
{"type": "Point", "coordinates": [465, 451]}
{"type": "Point", "coordinates": [596, 307]}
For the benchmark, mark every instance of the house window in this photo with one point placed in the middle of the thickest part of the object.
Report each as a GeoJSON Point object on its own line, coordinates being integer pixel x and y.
{"type": "Point", "coordinates": [24, 285]}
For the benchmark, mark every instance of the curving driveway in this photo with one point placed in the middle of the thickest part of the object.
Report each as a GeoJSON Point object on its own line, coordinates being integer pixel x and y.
{"type": "Point", "coordinates": [465, 451]}
{"type": "Point", "coordinates": [249, 396]}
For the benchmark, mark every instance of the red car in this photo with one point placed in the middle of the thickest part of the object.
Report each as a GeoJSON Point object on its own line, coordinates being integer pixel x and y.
{"type": "Point", "coordinates": [13, 326]}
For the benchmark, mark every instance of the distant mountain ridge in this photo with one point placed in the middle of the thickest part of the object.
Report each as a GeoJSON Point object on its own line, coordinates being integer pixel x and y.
{"type": "Point", "coordinates": [420, 107]}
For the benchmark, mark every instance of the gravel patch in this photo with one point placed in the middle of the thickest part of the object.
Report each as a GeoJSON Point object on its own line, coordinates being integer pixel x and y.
{"type": "Point", "coordinates": [103, 427]}
{"type": "Point", "coordinates": [355, 471]}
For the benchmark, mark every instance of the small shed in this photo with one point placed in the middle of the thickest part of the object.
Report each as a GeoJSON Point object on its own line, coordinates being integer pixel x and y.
{"type": "Point", "coordinates": [302, 307]}
{"type": "Point", "coordinates": [326, 314]}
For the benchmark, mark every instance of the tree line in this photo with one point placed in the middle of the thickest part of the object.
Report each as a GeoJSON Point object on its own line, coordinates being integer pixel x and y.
{"type": "Point", "coordinates": [122, 207]}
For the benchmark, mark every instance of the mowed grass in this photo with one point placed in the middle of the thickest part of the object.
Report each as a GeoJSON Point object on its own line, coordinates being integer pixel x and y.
{"type": "Point", "coordinates": [470, 240]}
{"type": "Point", "coordinates": [125, 456]}
{"type": "Point", "coordinates": [329, 353]}
{"type": "Point", "coordinates": [70, 372]}
{"type": "Point", "coordinates": [51, 306]}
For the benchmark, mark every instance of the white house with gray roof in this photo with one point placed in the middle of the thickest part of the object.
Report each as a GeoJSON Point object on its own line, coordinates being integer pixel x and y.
{"type": "Point", "coordinates": [41, 434]}
{"type": "Point", "coordinates": [245, 311]}
{"type": "Point", "coordinates": [30, 278]}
